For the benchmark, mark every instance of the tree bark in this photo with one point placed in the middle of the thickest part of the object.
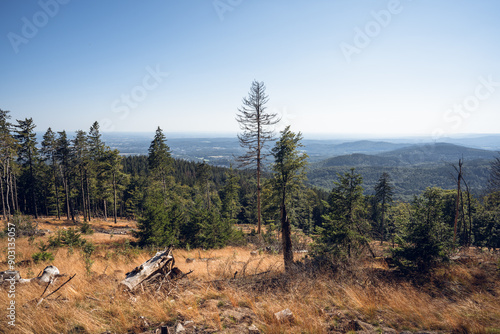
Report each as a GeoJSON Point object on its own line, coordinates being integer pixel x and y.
{"type": "Point", "coordinates": [54, 172]}
{"type": "Point", "coordinates": [66, 191]}
{"type": "Point", "coordinates": [259, 215]}
{"type": "Point", "coordinates": [161, 264]}
{"type": "Point", "coordinates": [89, 210]}
{"type": "Point", "coordinates": [259, 161]}
{"type": "Point", "coordinates": [4, 209]}
{"type": "Point", "coordinates": [13, 191]}
{"type": "Point", "coordinates": [457, 200]}
{"type": "Point", "coordinates": [84, 208]}
{"type": "Point", "coordinates": [382, 239]}
{"type": "Point", "coordinates": [286, 235]}
{"type": "Point", "coordinates": [114, 196]}
{"type": "Point", "coordinates": [33, 185]}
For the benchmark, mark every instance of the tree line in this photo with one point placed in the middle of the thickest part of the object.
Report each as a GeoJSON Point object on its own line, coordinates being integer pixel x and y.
{"type": "Point", "coordinates": [61, 176]}
{"type": "Point", "coordinates": [193, 204]}
{"type": "Point", "coordinates": [175, 201]}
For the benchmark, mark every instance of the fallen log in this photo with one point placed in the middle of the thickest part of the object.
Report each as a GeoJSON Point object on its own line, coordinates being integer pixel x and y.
{"type": "Point", "coordinates": [154, 269]}
{"type": "Point", "coordinates": [49, 275]}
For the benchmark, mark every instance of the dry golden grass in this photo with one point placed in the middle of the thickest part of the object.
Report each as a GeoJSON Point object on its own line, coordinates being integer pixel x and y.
{"type": "Point", "coordinates": [52, 223]}
{"type": "Point", "coordinates": [461, 298]}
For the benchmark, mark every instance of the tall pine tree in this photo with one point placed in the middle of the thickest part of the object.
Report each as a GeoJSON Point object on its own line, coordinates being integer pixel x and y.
{"type": "Point", "coordinates": [383, 195]}
{"type": "Point", "coordinates": [160, 159]}
{"type": "Point", "coordinates": [63, 156]}
{"type": "Point", "coordinates": [8, 149]}
{"type": "Point", "coordinates": [49, 153]}
{"type": "Point", "coordinates": [28, 157]}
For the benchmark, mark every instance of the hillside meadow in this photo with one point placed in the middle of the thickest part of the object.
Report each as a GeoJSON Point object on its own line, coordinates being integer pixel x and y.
{"type": "Point", "coordinates": [230, 290]}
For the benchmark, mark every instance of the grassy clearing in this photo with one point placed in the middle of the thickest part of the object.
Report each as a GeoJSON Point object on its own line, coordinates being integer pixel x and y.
{"type": "Point", "coordinates": [460, 298]}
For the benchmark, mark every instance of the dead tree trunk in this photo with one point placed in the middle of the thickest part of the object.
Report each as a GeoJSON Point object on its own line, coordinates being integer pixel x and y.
{"type": "Point", "coordinates": [155, 268]}
{"type": "Point", "coordinates": [457, 201]}
{"type": "Point", "coordinates": [286, 235]}
{"type": "Point", "coordinates": [4, 211]}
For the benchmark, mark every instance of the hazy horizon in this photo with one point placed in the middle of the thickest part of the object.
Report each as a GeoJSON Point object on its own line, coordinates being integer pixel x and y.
{"type": "Point", "coordinates": [310, 136]}
{"type": "Point", "coordinates": [383, 68]}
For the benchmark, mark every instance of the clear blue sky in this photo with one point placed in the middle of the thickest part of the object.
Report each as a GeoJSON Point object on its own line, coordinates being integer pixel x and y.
{"type": "Point", "coordinates": [334, 67]}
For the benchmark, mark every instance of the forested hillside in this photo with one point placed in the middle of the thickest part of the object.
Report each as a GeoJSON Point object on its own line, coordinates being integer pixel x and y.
{"type": "Point", "coordinates": [413, 168]}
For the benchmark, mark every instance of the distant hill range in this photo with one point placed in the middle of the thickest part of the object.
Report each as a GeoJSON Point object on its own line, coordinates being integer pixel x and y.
{"type": "Point", "coordinates": [412, 163]}
{"type": "Point", "coordinates": [412, 168]}
{"type": "Point", "coordinates": [410, 155]}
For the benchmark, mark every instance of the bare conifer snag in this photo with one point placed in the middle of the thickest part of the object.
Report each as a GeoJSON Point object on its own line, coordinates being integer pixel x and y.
{"type": "Point", "coordinates": [255, 123]}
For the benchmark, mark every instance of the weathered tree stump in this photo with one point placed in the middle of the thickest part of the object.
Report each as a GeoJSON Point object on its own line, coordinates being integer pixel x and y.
{"type": "Point", "coordinates": [154, 269]}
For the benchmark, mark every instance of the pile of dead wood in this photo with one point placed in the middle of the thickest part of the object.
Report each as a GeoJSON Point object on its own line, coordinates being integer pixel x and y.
{"type": "Point", "coordinates": [154, 272]}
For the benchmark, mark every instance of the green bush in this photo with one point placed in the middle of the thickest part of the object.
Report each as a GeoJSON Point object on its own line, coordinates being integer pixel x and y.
{"type": "Point", "coordinates": [42, 256]}
{"type": "Point", "coordinates": [88, 249]}
{"type": "Point", "coordinates": [68, 238]}
{"type": "Point", "coordinates": [237, 238]}
{"type": "Point", "coordinates": [86, 228]}
{"type": "Point", "coordinates": [426, 239]}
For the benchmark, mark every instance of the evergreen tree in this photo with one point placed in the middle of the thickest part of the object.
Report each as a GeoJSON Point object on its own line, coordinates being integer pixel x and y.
{"type": "Point", "coordinates": [80, 161]}
{"type": "Point", "coordinates": [113, 167]}
{"type": "Point", "coordinates": [342, 235]}
{"type": "Point", "coordinates": [95, 143]}
{"type": "Point", "coordinates": [494, 178]}
{"type": "Point", "coordinates": [49, 152]}
{"type": "Point", "coordinates": [134, 196]}
{"type": "Point", "coordinates": [397, 216]}
{"type": "Point", "coordinates": [303, 213]}
{"type": "Point", "coordinates": [63, 156]}
{"type": "Point", "coordinates": [8, 149]}
{"type": "Point", "coordinates": [289, 173]}
{"type": "Point", "coordinates": [254, 121]}
{"type": "Point", "coordinates": [425, 240]}
{"type": "Point", "coordinates": [159, 159]}
{"type": "Point", "coordinates": [203, 176]}
{"type": "Point", "coordinates": [230, 196]}
{"type": "Point", "coordinates": [96, 160]}
{"type": "Point", "coordinates": [486, 227]}
{"type": "Point", "coordinates": [206, 228]}
{"type": "Point", "coordinates": [155, 226]}
{"type": "Point", "coordinates": [383, 195]}
{"type": "Point", "coordinates": [28, 157]}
